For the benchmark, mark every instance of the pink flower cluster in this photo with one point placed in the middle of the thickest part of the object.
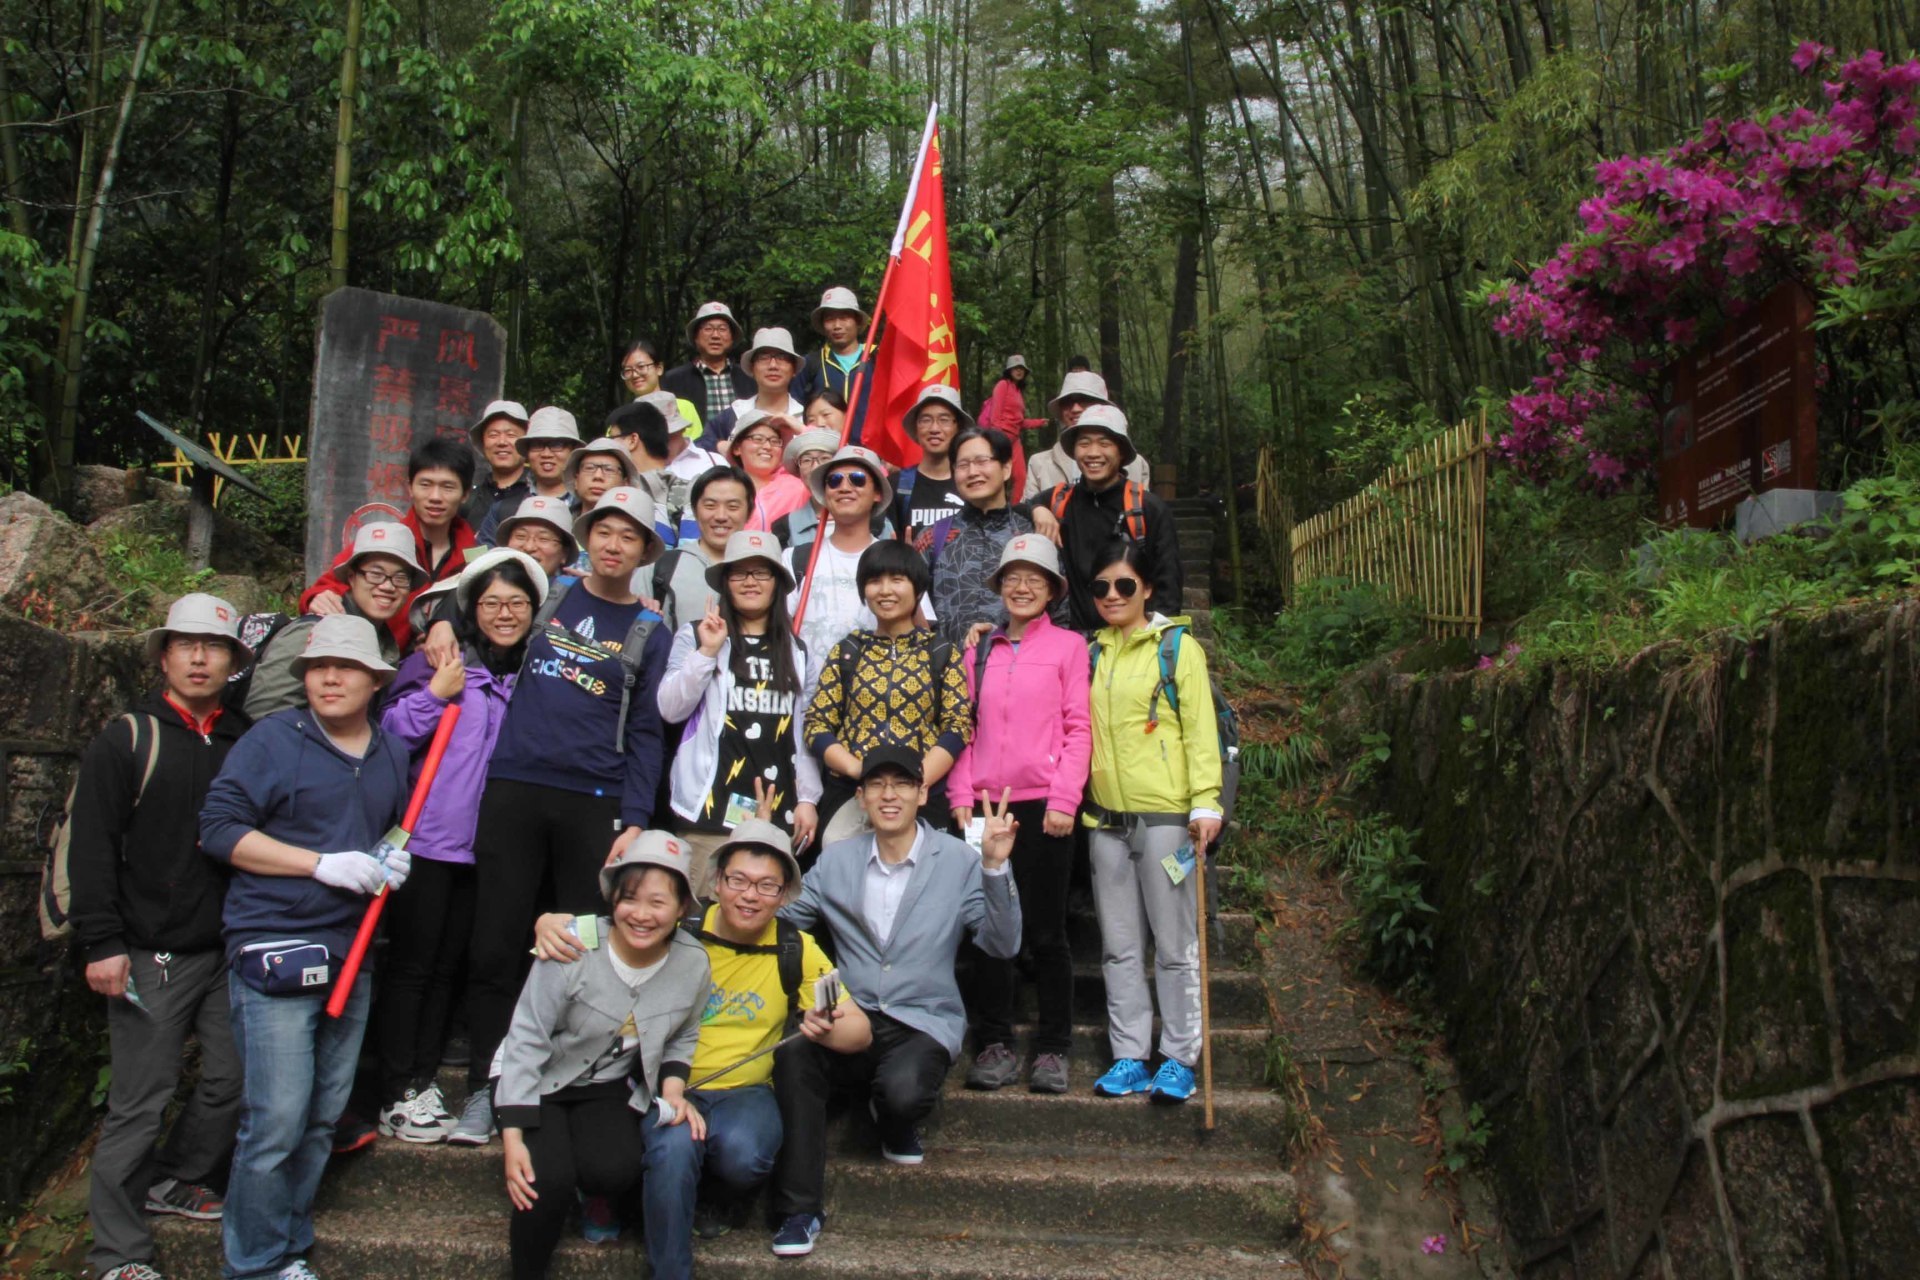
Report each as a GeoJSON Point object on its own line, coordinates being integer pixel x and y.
{"type": "Point", "coordinates": [1672, 243]}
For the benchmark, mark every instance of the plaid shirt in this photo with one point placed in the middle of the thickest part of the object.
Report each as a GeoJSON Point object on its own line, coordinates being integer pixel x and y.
{"type": "Point", "coordinates": [906, 690]}
{"type": "Point", "coordinates": [719, 390]}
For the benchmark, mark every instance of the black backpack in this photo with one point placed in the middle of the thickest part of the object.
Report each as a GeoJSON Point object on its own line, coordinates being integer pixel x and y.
{"type": "Point", "coordinates": [257, 631]}
{"type": "Point", "coordinates": [786, 947]}
{"type": "Point", "coordinates": [631, 651]}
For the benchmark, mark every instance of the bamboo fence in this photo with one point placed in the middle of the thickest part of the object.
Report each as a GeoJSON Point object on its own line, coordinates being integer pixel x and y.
{"type": "Point", "coordinates": [227, 449]}
{"type": "Point", "coordinates": [1420, 531]}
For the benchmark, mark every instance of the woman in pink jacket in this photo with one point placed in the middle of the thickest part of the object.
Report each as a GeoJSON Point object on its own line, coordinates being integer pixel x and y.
{"type": "Point", "coordinates": [1006, 412]}
{"type": "Point", "coordinates": [1033, 741]}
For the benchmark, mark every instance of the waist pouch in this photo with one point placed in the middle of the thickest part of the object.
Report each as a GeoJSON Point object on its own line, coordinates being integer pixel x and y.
{"type": "Point", "coordinates": [289, 967]}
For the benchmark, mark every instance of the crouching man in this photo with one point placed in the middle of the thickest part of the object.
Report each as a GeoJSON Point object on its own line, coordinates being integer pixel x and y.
{"type": "Point", "coordinates": [898, 900]}
{"type": "Point", "coordinates": [304, 797]}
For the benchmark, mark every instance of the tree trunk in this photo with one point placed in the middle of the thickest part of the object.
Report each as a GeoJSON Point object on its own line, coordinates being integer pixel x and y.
{"type": "Point", "coordinates": [203, 347]}
{"type": "Point", "coordinates": [10, 160]}
{"type": "Point", "coordinates": [343, 147]}
{"type": "Point", "coordinates": [1180, 325]}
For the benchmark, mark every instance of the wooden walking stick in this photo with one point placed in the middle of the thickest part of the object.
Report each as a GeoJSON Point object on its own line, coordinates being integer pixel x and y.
{"type": "Point", "coordinates": [1206, 1000]}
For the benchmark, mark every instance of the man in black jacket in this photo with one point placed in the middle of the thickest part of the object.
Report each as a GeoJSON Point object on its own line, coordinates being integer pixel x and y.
{"type": "Point", "coordinates": [1104, 503]}
{"type": "Point", "coordinates": [710, 380]}
{"type": "Point", "coordinates": [146, 914]}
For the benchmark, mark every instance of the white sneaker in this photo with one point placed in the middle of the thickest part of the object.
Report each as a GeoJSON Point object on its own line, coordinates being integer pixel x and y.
{"type": "Point", "coordinates": [419, 1116]}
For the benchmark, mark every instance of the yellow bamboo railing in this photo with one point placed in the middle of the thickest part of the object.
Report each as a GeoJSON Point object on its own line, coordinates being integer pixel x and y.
{"type": "Point", "coordinates": [1419, 532]}
{"type": "Point", "coordinates": [227, 449]}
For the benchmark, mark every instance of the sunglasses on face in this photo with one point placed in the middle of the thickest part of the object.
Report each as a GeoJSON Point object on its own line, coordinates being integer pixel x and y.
{"type": "Point", "coordinates": [1125, 588]}
{"type": "Point", "coordinates": [858, 479]}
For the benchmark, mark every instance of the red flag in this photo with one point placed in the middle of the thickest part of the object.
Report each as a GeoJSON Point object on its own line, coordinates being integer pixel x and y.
{"type": "Point", "coordinates": [913, 318]}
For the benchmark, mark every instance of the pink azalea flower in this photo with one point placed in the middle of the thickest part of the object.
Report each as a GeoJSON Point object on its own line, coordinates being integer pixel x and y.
{"type": "Point", "coordinates": [1434, 1244]}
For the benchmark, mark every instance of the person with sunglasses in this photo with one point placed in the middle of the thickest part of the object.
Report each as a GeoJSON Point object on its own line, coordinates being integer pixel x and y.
{"type": "Point", "coordinates": [429, 926]}
{"type": "Point", "coordinates": [851, 489]}
{"type": "Point", "coordinates": [737, 677]}
{"type": "Point", "coordinates": [1152, 808]}
{"type": "Point", "coordinates": [640, 372]}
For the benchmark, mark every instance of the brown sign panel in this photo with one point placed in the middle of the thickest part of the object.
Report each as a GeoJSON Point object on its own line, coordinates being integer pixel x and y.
{"type": "Point", "coordinates": [1738, 413]}
{"type": "Point", "coordinates": [389, 373]}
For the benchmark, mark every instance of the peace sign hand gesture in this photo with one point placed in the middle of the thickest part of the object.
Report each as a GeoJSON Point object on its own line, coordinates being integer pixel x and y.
{"type": "Point", "coordinates": [711, 630]}
{"type": "Point", "coordinates": [996, 843]}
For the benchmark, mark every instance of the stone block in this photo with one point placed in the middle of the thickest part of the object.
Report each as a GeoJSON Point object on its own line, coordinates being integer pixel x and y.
{"type": "Point", "coordinates": [98, 490]}
{"type": "Point", "coordinates": [1580, 1130]}
{"type": "Point", "coordinates": [36, 792]}
{"type": "Point", "coordinates": [1646, 1143]}
{"type": "Point", "coordinates": [1619, 1021]}
{"type": "Point", "coordinates": [1697, 1040]}
{"type": "Point", "coordinates": [1774, 1190]}
{"type": "Point", "coordinates": [1696, 1247]}
{"type": "Point", "coordinates": [1871, 1141]}
{"type": "Point", "coordinates": [1829, 771]}
{"type": "Point", "coordinates": [1777, 510]}
{"type": "Point", "coordinates": [50, 571]}
{"type": "Point", "coordinates": [1873, 940]}
{"type": "Point", "coordinates": [1593, 1248]}
{"type": "Point", "coordinates": [1776, 1033]}
{"type": "Point", "coordinates": [1675, 907]}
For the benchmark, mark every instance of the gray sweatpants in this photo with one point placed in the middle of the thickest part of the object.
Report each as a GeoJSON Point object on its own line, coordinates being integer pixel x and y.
{"type": "Point", "coordinates": [1132, 895]}
{"type": "Point", "coordinates": [147, 1048]}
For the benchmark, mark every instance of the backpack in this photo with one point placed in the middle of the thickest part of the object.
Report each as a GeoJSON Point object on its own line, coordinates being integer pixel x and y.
{"type": "Point", "coordinates": [257, 630]}
{"type": "Point", "coordinates": [850, 657]}
{"type": "Point", "coordinates": [931, 543]}
{"type": "Point", "coordinates": [1133, 508]}
{"type": "Point", "coordinates": [786, 948]}
{"type": "Point", "coordinates": [56, 885]}
{"type": "Point", "coordinates": [1226, 721]}
{"type": "Point", "coordinates": [632, 649]}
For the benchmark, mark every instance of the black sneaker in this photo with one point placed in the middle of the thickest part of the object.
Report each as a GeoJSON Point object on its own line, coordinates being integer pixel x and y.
{"type": "Point", "coordinates": [899, 1143]}
{"type": "Point", "coordinates": [796, 1235]}
{"type": "Point", "coordinates": [184, 1200]}
{"type": "Point", "coordinates": [352, 1133]}
{"type": "Point", "coordinates": [995, 1068]}
{"type": "Point", "coordinates": [713, 1219]}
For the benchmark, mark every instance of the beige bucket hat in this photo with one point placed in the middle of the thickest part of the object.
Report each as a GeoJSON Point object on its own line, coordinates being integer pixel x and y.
{"type": "Point", "coordinates": [538, 508]}
{"type": "Point", "coordinates": [707, 311]}
{"type": "Point", "coordinates": [837, 298]}
{"type": "Point", "coordinates": [1035, 551]}
{"type": "Point", "coordinates": [199, 614]}
{"type": "Point", "coordinates": [653, 848]}
{"type": "Point", "coordinates": [762, 836]}
{"type": "Point", "coordinates": [348, 637]}
{"type": "Point", "coordinates": [550, 422]}
{"type": "Point", "coordinates": [633, 504]}
{"type": "Point", "coordinates": [612, 449]}
{"type": "Point", "coordinates": [381, 538]}
{"type": "Point", "coordinates": [750, 544]}
{"type": "Point", "coordinates": [857, 456]}
{"type": "Point", "coordinates": [1104, 418]}
{"type": "Point", "coordinates": [512, 410]}
{"type": "Point", "coordinates": [1082, 384]}
{"type": "Point", "coordinates": [471, 575]}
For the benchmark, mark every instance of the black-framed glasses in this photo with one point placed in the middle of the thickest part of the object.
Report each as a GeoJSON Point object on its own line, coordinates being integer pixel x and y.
{"type": "Point", "coordinates": [740, 882]}
{"type": "Point", "coordinates": [636, 370]}
{"type": "Point", "coordinates": [857, 477]}
{"type": "Point", "coordinates": [377, 578]}
{"type": "Point", "coordinates": [1125, 588]}
{"type": "Point", "coordinates": [753, 573]}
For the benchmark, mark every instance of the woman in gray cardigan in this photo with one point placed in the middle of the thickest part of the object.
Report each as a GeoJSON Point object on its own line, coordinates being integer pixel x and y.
{"type": "Point", "coordinates": [593, 1043]}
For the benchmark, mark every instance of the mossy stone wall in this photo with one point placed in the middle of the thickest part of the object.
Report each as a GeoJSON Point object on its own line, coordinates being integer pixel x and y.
{"type": "Point", "coordinates": [1678, 946]}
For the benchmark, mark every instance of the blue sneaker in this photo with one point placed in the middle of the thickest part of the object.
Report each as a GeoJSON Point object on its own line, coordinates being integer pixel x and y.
{"type": "Point", "coordinates": [1173, 1082]}
{"type": "Point", "coordinates": [795, 1237]}
{"type": "Point", "coordinates": [1125, 1076]}
{"type": "Point", "coordinates": [598, 1222]}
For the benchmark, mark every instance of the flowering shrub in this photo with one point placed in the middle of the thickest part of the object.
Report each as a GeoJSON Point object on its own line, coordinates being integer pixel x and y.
{"type": "Point", "coordinates": [1673, 243]}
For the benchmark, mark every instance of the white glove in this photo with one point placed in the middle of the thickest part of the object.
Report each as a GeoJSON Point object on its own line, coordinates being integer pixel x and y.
{"type": "Point", "coordinates": [398, 864]}
{"type": "Point", "coordinates": [351, 870]}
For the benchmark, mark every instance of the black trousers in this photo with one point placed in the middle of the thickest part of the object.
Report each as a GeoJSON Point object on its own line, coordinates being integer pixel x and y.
{"type": "Point", "coordinates": [1042, 871]}
{"type": "Point", "coordinates": [901, 1071]}
{"type": "Point", "coordinates": [429, 927]}
{"type": "Point", "coordinates": [593, 1145]}
{"type": "Point", "coordinates": [529, 836]}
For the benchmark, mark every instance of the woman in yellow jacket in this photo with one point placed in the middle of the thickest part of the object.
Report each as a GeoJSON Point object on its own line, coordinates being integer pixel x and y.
{"type": "Point", "coordinates": [1153, 804]}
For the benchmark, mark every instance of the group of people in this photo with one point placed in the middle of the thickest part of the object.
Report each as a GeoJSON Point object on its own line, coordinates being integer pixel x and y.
{"type": "Point", "coordinates": [758, 744]}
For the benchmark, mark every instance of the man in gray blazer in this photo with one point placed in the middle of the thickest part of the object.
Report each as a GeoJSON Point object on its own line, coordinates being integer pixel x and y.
{"type": "Point", "coordinates": [897, 901]}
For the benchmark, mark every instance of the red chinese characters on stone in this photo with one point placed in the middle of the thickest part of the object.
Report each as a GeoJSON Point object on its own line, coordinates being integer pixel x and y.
{"type": "Point", "coordinates": [398, 329]}
{"type": "Point", "coordinates": [392, 386]}
{"type": "Point", "coordinates": [387, 480]}
{"type": "Point", "coordinates": [456, 347]}
{"type": "Point", "coordinates": [392, 432]}
{"type": "Point", "coordinates": [455, 397]}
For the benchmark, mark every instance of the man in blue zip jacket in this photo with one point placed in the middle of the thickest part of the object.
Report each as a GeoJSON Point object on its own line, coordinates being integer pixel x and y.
{"type": "Point", "coordinates": [303, 798]}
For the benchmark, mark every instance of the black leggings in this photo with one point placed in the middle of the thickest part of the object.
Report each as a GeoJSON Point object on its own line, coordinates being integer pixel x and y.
{"type": "Point", "coordinates": [1042, 867]}
{"type": "Point", "coordinates": [429, 924]}
{"type": "Point", "coordinates": [528, 834]}
{"type": "Point", "coordinates": [593, 1145]}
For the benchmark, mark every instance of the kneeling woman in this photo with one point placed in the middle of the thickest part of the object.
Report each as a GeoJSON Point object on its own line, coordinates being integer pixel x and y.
{"type": "Point", "coordinates": [735, 677]}
{"type": "Point", "coordinates": [1155, 791]}
{"type": "Point", "coordinates": [592, 1044]}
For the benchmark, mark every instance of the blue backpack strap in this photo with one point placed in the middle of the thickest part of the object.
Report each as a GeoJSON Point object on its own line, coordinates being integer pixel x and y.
{"type": "Point", "coordinates": [1169, 663]}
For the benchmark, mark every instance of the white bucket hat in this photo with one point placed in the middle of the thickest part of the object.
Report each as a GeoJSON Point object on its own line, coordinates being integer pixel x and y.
{"type": "Point", "coordinates": [776, 340]}
{"type": "Point", "coordinates": [812, 440]}
{"type": "Point", "coordinates": [381, 538]}
{"type": "Point", "coordinates": [946, 395]}
{"type": "Point", "coordinates": [707, 311]}
{"type": "Point", "coordinates": [750, 544]}
{"type": "Point", "coordinates": [1083, 384]}
{"type": "Point", "coordinates": [471, 575]}
{"type": "Point", "coordinates": [1014, 362]}
{"type": "Point", "coordinates": [1105, 418]}
{"type": "Point", "coordinates": [426, 602]}
{"type": "Point", "coordinates": [752, 416]}
{"type": "Point", "coordinates": [837, 298]}
{"type": "Point", "coordinates": [1036, 551]}
{"type": "Point", "coordinates": [540, 509]}
{"type": "Point", "coordinates": [348, 637]}
{"type": "Point", "coordinates": [512, 410]}
{"type": "Point", "coordinates": [667, 405]}
{"type": "Point", "coordinates": [762, 836]}
{"type": "Point", "coordinates": [629, 474]}
{"type": "Point", "coordinates": [857, 456]}
{"type": "Point", "coordinates": [199, 614]}
{"type": "Point", "coordinates": [651, 848]}
{"type": "Point", "coordinates": [549, 422]}
{"type": "Point", "coordinates": [633, 504]}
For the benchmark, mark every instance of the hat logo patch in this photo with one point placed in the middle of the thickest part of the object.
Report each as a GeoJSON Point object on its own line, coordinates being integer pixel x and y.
{"type": "Point", "coordinates": [222, 614]}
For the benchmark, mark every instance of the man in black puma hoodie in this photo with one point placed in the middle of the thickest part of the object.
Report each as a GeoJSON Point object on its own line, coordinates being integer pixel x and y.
{"type": "Point", "coordinates": [146, 914]}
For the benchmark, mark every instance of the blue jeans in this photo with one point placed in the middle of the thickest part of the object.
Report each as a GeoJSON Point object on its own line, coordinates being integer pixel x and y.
{"type": "Point", "coordinates": [298, 1067]}
{"type": "Point", "coordinates": [743, 1137]}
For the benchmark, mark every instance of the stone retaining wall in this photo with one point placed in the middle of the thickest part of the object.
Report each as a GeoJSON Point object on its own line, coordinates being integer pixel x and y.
{"type": "Point", "coordinates": [1678, 947]}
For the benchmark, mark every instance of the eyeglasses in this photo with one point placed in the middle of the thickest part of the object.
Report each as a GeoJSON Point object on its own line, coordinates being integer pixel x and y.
{"type": "Point", "coordinates": [503, 608]}
{"type": "Point", "coordinates": [599, 469]}
{"type": "Point", "coordinates": [378, 578]}
{"type": "Point", "coordinates": [538, 539]}
{"type": "Point", "coordinates": [742, 883]}
{"type": "Point", "coordinates": [636, 370]}
{"type": "Point", "coordinates": [194, 644]}
{"type": "Point", "coordinates": [1020, 578]}
{"type": "Point", "coordinates": [760, 440]}
{"type": "Point", "coordinates": [890, 786]}
{"type": "Point", "coordinates": [757, 573]}
{"type": "Point", "coordinates": [1125, 588]}
{"type": "Point", "coordinates": [931, 418]}
{"type": "Point", "coordinates": [977, 464]}
{"type": "Point", "coordinates": [858, 479]}
{"type": "Point", "coordinates": [537, 446]}
{"type": "Point", "coordinates": [813, 458]}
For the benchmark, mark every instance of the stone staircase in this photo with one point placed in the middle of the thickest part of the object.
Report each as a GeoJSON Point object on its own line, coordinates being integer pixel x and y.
{"type": "Point", "coordinates": [1015, 1185]}
{"type": "Point", "coordinates": [1197, 524]}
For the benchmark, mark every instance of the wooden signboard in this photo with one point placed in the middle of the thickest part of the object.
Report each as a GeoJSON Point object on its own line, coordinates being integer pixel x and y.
{"type": "Point", "coordinates": [1737, 416]}
{"type": "Point", "coordinates": [389, 373]}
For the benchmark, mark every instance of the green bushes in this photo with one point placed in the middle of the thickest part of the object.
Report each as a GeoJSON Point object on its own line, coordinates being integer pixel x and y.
{"type": "Point", "coordinates": [282, 515]}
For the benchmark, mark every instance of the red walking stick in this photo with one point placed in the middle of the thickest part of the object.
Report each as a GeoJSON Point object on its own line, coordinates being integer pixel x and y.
{"type": "Point", "coordinates": [442, 734]}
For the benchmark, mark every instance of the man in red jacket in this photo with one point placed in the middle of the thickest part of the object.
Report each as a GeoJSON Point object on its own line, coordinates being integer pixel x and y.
{"type": "Point", "coordinates": [439, 476]}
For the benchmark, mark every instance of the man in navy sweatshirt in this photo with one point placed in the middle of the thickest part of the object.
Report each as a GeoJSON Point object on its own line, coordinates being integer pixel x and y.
{"type": "Point", "coordinates": [303, 799]}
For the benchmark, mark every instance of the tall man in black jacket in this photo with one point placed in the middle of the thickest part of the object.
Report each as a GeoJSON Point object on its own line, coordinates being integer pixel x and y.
{"type": "Point", "coordinates": [1104, 503]}
{"type": "Point", "coordinates": [146, 913]}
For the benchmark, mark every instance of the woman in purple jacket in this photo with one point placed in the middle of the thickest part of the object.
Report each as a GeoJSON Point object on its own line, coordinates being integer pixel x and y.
{"type": "Point", "coordinates": [429, 924]}
{"type": "Point", "coordinates": [1032, 740]}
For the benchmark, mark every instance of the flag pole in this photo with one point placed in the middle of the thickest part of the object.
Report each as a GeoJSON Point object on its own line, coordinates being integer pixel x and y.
{"type": "Point", "coordinates": [868, 345]}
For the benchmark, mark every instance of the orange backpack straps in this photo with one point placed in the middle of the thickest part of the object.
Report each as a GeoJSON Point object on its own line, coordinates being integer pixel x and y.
{"type": "Point", "coordinates": [1133, 511]}
{"type": "Point", "coordinates": [1057, 500]}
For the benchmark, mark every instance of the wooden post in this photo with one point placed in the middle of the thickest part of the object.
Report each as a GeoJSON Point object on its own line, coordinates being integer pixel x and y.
{"type": "Point", "coordinates": [200, 519]}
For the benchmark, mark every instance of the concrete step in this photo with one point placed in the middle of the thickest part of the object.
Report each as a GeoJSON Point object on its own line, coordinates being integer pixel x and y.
{"type": "Point", "coordinates": [1239, 1053]}
{"type": "Point", "coordinates": [1177, 1194]}
{"type": "Point", "coordinates": [1233, 946]}
{"type": "Point", "coordinates": [414, 1244]}
{"type": "Point", "coordinates": [1238, 999]}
